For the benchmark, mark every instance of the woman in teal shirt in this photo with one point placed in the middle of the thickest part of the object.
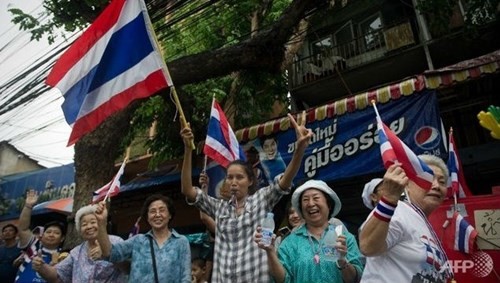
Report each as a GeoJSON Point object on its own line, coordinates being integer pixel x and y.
{"type": "Point", "coordinates": [301, 255]}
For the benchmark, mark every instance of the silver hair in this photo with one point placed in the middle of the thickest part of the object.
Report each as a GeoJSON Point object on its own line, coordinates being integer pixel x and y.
{"type": "Point", "coordinates": [85, 210]}
{"type": "Point", "coordinates": [436, 161]}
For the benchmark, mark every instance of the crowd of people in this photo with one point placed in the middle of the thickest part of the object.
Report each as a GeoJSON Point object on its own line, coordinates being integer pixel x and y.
{"type": "Point", "coordinates": [396, 243]}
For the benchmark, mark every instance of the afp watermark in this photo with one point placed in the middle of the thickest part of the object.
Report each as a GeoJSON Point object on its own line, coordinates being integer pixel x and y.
{"type": "Point", "coordinates": [480, 265]}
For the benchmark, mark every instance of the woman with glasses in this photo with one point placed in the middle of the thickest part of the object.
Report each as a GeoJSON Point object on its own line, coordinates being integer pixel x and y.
{"type": "Point", "coordinates": [160, 255]}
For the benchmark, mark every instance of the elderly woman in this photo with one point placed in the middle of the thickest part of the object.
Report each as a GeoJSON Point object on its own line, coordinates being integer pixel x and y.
{"type": "Point", "coordinates": [397, 236]}
{"type": "Point", "coordinates": [300, 256]}
{"type": "Point", "coordinates": [83, 263]}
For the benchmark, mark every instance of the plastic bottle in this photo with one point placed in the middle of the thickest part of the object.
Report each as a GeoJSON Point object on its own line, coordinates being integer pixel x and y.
{"type": "Point", "coordinates": [267, 229]}
{"type": "Point", "coordinates": [329, 251]}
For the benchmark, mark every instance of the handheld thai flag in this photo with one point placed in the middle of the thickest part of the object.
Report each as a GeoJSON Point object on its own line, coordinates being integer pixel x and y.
{"type": "Point", "coordinates": [111, 189]}
{"type": "Point", "coordinates": [135, 230]}
{"type": "Point", "coordinates": [221, 144]}
{"type": "Point", "coordinates": [394, 150]}
{"type": "Point", "coordinates": [464, 234]}
{"type": "Point", "coordinates": [458, 186]}
{"type": "Point", "coordinates": [115, 61]}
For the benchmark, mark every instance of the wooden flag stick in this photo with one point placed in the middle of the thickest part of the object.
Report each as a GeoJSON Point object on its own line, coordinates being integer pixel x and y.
{"type": "Point", "coordinates": [168, 78]}
{"type": "Point", "coordinates": [184, 123]}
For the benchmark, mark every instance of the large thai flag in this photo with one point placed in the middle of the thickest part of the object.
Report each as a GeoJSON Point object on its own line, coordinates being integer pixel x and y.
{"type": "Point", "coordinates": [115, 61]}
{"type": "Point", "coordinates": [221, 144]}
{"type": "Point", "coordinates": [458, 186]}
{"type": "Point", "coordinates": [394, 150]}
{"type": "Point", "coordinates": [465, 234]}
{"type": "Point", "coordinates": [112, 188]}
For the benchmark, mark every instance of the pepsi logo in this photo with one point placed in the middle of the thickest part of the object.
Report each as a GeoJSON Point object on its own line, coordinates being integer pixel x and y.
{"type": "Point", "coordinates": [427, 138]}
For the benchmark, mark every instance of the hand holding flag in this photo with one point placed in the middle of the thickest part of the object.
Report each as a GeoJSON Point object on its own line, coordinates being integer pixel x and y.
{"type": "Point", "coordinates": [394, 150]}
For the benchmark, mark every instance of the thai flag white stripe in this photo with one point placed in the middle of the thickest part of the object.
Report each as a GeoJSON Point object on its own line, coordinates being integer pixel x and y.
{"type": "Point", "coordinates": [220, 148]}
{"type": "Point", "coordinates": [120, 83]}
{"type": "Point", "coordinates": [92, 58]}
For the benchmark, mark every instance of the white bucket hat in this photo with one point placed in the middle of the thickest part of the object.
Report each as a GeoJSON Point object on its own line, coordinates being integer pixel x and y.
{"type": "Point", "coordinates": [319, 185]}
{"type": "Point", "coordinates": [368, 190]}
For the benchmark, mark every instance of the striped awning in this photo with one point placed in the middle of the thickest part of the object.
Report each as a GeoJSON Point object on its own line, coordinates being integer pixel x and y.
{"type": "Point", "coordinates": [441, 78]}
{"type": "Point", "coordinates": [463, 71]}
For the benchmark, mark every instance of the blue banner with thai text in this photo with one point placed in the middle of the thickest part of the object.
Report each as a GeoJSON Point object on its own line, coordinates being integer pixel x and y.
{"type": "Point", "coordinates": [346, 146]}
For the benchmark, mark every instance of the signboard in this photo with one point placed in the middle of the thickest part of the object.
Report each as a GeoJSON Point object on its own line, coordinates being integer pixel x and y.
{"type": "Point", "coordinates": [51, 184]}
{"type": "Point", "coordinates": [348, 145]}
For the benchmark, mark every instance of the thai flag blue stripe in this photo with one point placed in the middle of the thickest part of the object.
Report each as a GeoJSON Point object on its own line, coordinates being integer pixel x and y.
{"type": "Point", "coordinates": [123, 51]}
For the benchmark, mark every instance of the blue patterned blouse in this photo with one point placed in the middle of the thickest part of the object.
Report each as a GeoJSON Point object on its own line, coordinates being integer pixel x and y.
{"type": "Point", "coordinates": [173, 259]}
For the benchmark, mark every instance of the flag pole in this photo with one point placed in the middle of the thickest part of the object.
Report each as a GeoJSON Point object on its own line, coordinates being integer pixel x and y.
{"type": "Point", "coordinates": [168, 78]}
{"type": "Point", "coordinates": [455, 202]}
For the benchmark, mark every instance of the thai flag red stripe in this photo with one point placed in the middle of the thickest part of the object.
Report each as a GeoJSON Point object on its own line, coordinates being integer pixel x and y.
{"type": "Point", "coordinates": [142, 89]}
{"type": "Point", "coordinates": [94, 32]}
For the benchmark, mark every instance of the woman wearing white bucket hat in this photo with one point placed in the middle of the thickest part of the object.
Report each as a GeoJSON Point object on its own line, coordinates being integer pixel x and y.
{"type": "Point", "coordinates": [300, 256]}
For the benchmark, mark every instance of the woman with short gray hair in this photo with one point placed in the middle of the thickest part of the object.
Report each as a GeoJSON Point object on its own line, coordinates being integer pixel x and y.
{"type": "Point", "coordinates": [83, 263]}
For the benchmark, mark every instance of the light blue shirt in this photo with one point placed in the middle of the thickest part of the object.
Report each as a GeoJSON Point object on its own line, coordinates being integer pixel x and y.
{"type": "Point", "coordinates": [173, 259]}
{"type": "Point", "coordinates": [297, 251]}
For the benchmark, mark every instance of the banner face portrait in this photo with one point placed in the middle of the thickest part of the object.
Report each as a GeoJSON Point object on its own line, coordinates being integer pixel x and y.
{"type": "Point", "coordinates": [347, 145]}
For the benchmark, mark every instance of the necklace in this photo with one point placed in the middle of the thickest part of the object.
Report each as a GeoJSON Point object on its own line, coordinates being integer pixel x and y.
{"type": "Point", "coordinates": [316, 252]}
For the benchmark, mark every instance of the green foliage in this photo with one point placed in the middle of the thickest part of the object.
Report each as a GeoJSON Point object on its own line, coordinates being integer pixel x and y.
{"type": "Point", "coordinates": [218, 25]}
{"type": "Point", "coordinates": [439, 12]}
{"type": "Point", "coordinates": [58, 15]}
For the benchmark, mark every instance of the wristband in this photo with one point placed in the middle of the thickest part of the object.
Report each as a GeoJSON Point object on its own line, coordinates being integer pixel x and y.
{"type": "Point", "coordinates": [344, 266]}
{"type": "Point", "coordinates": [384, 210]}
{"type": "Point", "coordinates": [28, 206]}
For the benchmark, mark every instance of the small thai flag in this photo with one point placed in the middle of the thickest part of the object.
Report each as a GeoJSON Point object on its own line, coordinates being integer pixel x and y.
{"type": "Point", "coordinates": [221, 144]}
{"type": "Point", "coordinates": [111, 189]}
{"type": "Point", "coordinates": [458, 187]}
{"type": "Point", "coordinates": [394, 150]}
{"type": "Point", "coordinates": [465, 234]}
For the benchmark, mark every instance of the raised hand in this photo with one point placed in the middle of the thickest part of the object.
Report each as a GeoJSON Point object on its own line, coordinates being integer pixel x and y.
{"type": "Point", "coordinates": [303, 134]}
{"type": "Point", "coordinates": [37, 263]}
{"type": "Point", "coordinates": [395, 181]}
{"type": "Point", "coordinates": [257, 238]}
{"type": "Point", "coordinates": [101, 213]}
{"type": "Point", "coordinates": [187, 136]}
{"type": "Point", "coordinates": [341, 246]}
{"type": "Point", "coordinates": [204, 181]}
{"type": "Point", "coordinates": [31, 198]}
